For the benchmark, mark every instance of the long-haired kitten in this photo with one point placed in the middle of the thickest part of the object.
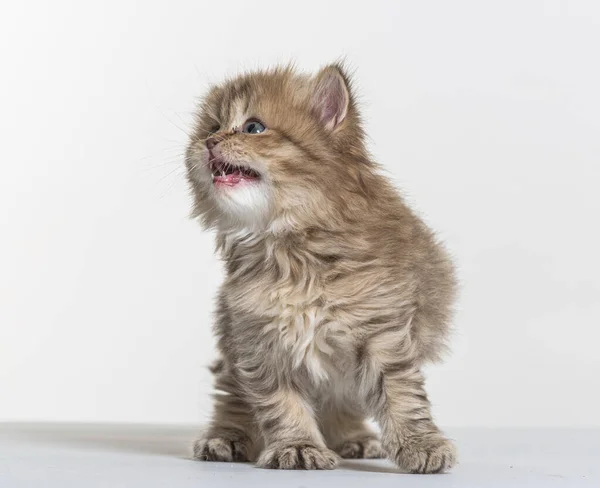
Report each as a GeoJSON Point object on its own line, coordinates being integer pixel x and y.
{"type": "Point", "coordinates": [336, 294]}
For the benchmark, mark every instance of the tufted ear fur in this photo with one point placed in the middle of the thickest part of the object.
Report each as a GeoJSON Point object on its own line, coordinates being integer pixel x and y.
{"type": "Point", "coordinates": [331, 97]}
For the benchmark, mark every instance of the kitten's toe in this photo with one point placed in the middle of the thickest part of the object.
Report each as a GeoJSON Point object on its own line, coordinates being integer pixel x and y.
{"type": "Point", "coordinates": [221, 449]}
{"type": "Point", "coordinates": [431, 453]}
{"type": "Point", "coordinates": [365, 448]}
{"type": "Point", "coordinates": [297, 456]}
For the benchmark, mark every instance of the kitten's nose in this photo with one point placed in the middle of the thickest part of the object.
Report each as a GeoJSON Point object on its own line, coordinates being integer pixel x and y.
{"type": "Point", "coordinates": [211, 142]}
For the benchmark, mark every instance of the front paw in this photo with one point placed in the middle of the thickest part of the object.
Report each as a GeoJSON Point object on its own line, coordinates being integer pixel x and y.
{"type": "Point", "coordinates": [297, 456]}
{"type": "Point", "coordinates": [221, 449]}
{"type": "Point", "coordinates": [365, 448]}
{"type": "Point", "coordinates": [427, 453]}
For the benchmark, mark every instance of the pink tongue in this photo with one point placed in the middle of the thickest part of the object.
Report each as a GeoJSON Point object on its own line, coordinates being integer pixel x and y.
{"type": "Point", "coordinates": [230, 179]}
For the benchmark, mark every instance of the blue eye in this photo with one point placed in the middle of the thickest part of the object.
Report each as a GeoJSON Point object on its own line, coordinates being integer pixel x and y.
{"type": "Point", "coordinates": [253, 127]}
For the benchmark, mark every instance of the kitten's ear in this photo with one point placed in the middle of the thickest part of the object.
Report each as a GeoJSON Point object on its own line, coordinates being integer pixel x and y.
{"type": "Point", "coordinates": [331, 96]}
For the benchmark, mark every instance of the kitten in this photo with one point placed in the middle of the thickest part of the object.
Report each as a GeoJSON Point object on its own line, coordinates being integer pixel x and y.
{"type": "Point", "coordinates": [335, 294]}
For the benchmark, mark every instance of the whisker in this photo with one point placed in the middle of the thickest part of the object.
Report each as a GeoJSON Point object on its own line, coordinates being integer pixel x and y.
{"type": "Point", "coordinates": [170, 173]}
{"type": "Point", "coordinates": [162, 165]}
{"type": "Point", "coordinates": [169, 188]}
{"type": "Point", "coordinates": [185, 123]}
{"type": "Point", "coordinates": [187, 134]}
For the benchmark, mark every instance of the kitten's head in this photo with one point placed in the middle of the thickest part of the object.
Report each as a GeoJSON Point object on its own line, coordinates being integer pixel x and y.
{"type": "Point", "coordinates": [274, 149]}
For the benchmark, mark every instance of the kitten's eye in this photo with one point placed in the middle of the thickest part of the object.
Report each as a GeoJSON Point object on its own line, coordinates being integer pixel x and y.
{"type": "Point", "coordinates": [214, 129]}
{"type": "Point", "coordinates": [253, 127]}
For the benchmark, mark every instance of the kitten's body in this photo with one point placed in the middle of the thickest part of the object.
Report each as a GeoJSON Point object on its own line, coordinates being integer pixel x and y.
{"type": "Point", "coordinates": [335, 292]}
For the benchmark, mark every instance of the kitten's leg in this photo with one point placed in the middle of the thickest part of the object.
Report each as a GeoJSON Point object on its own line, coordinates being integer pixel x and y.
{"type": "Point", "coordinates": [231, 435]}
{"type": "Point", "coordinates": [347, 433]}
{"type": "Point", "coordinates": [292, 436]}
{"type": "Point", "coordinates": [409, 435]}
{"type": "Point", "coordinates": [285, 418]}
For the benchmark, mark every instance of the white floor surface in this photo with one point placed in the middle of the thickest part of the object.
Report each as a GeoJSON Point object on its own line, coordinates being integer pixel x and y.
{"type": "Point", "coordinates": [94, 456]}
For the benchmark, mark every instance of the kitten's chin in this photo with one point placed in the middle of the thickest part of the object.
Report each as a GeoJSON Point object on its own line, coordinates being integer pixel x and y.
{"type": "Point", "coordinates": [244, 203]}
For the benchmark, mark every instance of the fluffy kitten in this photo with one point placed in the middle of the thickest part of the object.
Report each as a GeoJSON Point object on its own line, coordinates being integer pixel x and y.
{"type": "Point", "coordinates": [335, 294]}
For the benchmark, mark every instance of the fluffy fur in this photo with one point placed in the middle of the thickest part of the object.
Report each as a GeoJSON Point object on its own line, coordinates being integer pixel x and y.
{"type": "Point", "coordinates": [335, 294]}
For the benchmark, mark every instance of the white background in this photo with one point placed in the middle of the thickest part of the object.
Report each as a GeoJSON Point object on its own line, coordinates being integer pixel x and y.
{"type": "Point", "coordinates": [485, 113]}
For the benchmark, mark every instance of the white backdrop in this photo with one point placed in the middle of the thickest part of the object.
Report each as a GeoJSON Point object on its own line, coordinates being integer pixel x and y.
{"type": "Point", "coordinates": [486, 114]}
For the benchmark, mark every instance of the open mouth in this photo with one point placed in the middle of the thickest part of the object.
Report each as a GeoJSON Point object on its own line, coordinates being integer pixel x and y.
{"type": "Point", "coordinates": [228, 174]}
